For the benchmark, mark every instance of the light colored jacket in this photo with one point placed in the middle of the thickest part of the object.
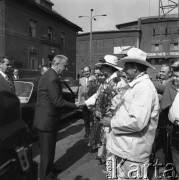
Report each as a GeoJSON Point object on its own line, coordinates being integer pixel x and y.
{"type": "Point", "coordinates": [135, 122]}
{"type": "Point", "coordinates": [83, 89]}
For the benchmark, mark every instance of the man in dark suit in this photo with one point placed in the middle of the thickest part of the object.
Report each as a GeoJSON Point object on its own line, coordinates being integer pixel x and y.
{"type": "Point", "coordinates": [170, 115]}
{"type": "Point", "coordinates": [165, 76]}
{"type": "Point", "coordinates": [6, 83]}
{"type": "Point", "coordinates": [47, 114]}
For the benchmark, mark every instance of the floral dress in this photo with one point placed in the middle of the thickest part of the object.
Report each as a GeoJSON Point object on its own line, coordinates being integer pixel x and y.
{"type": "Point", "coordinates": [102, 108]}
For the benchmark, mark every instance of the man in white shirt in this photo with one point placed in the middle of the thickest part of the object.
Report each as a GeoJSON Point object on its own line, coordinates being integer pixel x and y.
{"type": "Point", "coordinates": [83, 95]}
{"type": "Point", "coordinates": [165, 74]}
{"type": "Point", "coordinates": [135, 121]}
{"type": "Point", "coordinates": [169, 106]}
{"type": "Point", "coordinates": [16, 74]}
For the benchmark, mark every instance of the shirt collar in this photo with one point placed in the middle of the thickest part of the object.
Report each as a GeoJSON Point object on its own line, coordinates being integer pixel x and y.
{"type": "Point", "coordinates": [54, 70]}
{"type": "Point", "coordinates": [138, 79]}
{"type": "Point", "coordinates": [3, 74]}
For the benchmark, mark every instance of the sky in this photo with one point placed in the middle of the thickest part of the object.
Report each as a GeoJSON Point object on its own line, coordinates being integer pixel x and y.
{"type": "Point", "coordinates": [117, 11]}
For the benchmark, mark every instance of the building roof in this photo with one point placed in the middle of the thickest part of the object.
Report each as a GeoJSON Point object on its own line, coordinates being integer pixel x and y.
{"type": "Point", "coordinates": [98, 32]}
{"type": "Point", "coordinates": [128, 26]}
{"type": "Point", "coordinates": [149, 19]}
{"type": "Point", "coordinates": [156, 19]}
{"type": "Point", "coordinates": [52, 12]}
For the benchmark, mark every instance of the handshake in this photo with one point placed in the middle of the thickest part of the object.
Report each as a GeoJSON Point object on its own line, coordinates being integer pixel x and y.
{"type": "Point", "coordinates": [80, 106]}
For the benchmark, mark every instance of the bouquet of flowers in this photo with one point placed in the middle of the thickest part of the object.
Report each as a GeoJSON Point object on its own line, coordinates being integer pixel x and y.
{"type": "Point", "coordinates": [103, 103]}
{"type": "Point", "coordinates": [93, 87]}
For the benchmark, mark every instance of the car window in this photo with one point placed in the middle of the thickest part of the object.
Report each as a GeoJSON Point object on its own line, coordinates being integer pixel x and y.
{"type": "Point", "coordinates": [23, 90]}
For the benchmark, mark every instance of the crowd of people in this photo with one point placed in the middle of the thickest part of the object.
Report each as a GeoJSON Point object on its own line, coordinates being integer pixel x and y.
{"type": "Point", "coordinates": [128, 110]}
{"type": "Point", "coordinates": [122, 107]}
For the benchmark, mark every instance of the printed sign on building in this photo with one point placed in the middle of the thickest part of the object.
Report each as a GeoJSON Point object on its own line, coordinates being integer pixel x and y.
{"type": "Point", "coordinates": [122, 49]}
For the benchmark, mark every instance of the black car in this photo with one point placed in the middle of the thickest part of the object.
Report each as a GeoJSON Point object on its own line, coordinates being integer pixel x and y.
{"type": "Point", "coordinates": [26, 90]}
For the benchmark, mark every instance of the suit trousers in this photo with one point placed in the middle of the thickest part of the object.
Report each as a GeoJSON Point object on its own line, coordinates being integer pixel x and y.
{"type": "Point", "coordinates": [47, 152]}
{"type": "Point", "coordinates": [86, 117]}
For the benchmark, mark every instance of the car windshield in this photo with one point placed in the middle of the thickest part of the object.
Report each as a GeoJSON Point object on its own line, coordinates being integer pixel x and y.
{"type": "Point", "coordinates": [23, 90]}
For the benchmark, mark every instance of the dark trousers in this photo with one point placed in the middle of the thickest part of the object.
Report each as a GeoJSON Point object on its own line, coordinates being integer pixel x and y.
{"type": "Point", "coordinates": [86, 117]}
{"type": "Point", "coordinates": [47, 152]}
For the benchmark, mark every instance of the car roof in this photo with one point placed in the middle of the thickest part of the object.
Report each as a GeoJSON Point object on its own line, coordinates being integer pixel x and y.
{"type": "Point", "coordinates": [34, 79]}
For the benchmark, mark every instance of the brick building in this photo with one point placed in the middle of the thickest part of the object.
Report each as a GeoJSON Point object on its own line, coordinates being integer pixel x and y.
{"type": "Point", "coordinates": [104, 42]}
{"type": "Point", "coordinates": [158, 37]}
{"type": "Point", "coordinates": [31, 33]}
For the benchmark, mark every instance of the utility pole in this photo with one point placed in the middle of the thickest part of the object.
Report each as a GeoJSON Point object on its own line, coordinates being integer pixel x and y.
{"type": "Point", "coordinates": [91, 17]}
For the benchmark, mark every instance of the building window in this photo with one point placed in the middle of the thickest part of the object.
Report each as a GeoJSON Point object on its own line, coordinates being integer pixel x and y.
{"type": "Point", "coordinates": [33, 58]}
{"type": "Point", "coordinates": [62, 39]}
{"type": "Point", "coordinates": [154, 32]}
{"type": "Point", "coordinates": [156, 47]}
{"type": "Point", "coordinates": [174, 47]}
{"type": "Point", "coordinates": [167, 31]}
{"type": "Point", "coordinates": [50, 33]}
{"type": "Point", "coordinates": [32, 28]}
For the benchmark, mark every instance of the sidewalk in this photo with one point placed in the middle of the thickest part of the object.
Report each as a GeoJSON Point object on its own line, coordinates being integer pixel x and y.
{"type": "Point", "coordinates": [76, 162]}
{"type": "Point", "coordinates": [72, 155]}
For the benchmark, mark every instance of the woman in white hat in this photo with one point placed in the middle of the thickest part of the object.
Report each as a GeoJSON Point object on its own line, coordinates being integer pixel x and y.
{"type": "Point", "coordinates": [102, 102]}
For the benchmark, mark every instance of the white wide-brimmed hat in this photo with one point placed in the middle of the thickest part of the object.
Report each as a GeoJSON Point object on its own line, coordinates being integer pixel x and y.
{"type": "Point", "coordinates": [110, 60]}
{"type": "Point", "coordinates": [135, 55]}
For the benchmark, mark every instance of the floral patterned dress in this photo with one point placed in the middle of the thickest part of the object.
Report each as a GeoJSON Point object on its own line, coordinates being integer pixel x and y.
{"type": "Point", "coordinates": [102, 108]}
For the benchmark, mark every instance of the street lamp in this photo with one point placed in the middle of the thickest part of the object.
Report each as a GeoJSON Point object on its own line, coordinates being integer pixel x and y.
{"type": "Point", "coordinates": [91, 20]}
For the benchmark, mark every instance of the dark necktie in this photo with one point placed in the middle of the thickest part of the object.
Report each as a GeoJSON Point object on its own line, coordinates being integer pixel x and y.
{"type": "Point", "coordinates": [9, 82]}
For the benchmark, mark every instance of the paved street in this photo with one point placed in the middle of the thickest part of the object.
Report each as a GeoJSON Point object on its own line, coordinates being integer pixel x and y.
{"type": "Point", "coordinates": [73, 158]}
{"type": "Point", "coordinates": [72, 154]}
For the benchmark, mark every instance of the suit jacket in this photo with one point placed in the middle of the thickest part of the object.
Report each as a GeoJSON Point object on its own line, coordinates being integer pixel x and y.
{"type": "Point", "coordinates": [168, 96]}
{"type": "Point", "coordinates": [166, 102]}
{"type": "Point", "coordinates": [4, 85]}
{"type": "Point", "coordinates": [49, 102]}
{"type": "Point", "coordinates": [83, 89]}
{"type": "Point", "coordinates": [160, 87]}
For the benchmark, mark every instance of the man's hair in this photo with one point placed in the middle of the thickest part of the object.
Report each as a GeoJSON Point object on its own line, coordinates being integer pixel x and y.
{"type": "Point", "coordinates": [87, 67]}
{"type": "Point", "coordinates": [2, 59]}
{"type": "Point", "coordinates": [175, 60]}
{"type": "Point", "coordinates": [16, 69]}
{"type": "Point", "coordinates": [140, 67]}
{"type": "Point", "coordinates": [59, 57]}
{"type": "Point", "coordinates": [167, 65]}
{"type": "Point", "coordinates": [175, 64]}
{"type": "Point", "coordinates": [96, 68]}
{"type": "Point", "coordinates": [176, 68]}
{"type": "Point", "coordinates": [44, 66]}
